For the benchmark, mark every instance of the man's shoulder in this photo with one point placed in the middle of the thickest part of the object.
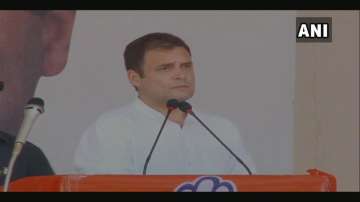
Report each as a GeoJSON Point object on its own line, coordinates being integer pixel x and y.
{"type": "Point", "coordinates": [6, 138]}
{"type": "Point", "coordinates": [116, 114]}
{"type": "Point", "coordinates": [32, 148]}
{"type": "Point", "coordinates": [29, 147]}
{"type": "Point", "coordinates": [116, 119]}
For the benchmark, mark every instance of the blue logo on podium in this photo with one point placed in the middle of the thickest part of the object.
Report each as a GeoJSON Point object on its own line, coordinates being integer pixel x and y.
{"type": "Point", "coordinates": [207, 184]}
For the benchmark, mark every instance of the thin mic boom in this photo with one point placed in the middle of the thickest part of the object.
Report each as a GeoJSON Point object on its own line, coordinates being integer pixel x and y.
{"type": "Point", "coordinates": [171, 105]}
{"type": "Point", "coordinates": [187, 108]}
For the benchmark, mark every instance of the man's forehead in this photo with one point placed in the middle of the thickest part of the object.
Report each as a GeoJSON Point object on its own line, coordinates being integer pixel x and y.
{"type": "Point", "coordinates": [163, 53]}
{"type": "Point", "coordinates": [159, 57]}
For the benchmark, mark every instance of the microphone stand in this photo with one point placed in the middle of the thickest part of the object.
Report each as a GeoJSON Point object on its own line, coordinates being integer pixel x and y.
{"type": "Point", "coordinates": [222, 143]}
{"type": "Point", "coordinates": [187, 108]}
{"type": "Point", "coordinates": [156, 140]}
{"type": "Point", "coordinates": [36, 105]}
{"type": "Point", "coordinates": [171, 105]}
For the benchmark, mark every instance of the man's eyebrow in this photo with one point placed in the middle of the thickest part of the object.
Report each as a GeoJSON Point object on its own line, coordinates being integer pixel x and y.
{"type": "Point", "coordinates": [187, 63]}
{"type": "Point", "coordinates": [165, 64]}
{"type": "Point", "coordinates": [173, 63]}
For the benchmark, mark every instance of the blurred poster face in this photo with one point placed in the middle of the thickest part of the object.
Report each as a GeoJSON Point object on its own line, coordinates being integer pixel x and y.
{"type": "Point", "coordinates": [32, 44]}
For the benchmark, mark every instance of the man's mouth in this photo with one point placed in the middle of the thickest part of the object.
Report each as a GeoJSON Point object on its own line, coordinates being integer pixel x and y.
{"type": "Point", "coordinates": [180, 86]}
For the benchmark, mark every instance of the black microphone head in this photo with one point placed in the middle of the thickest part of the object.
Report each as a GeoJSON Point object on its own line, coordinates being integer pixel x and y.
{"type": "Point", "coordinates": [185, 107]}
{"type": "Point", "coordinates": [36, 101]}
{"type": "Point", "coordinates": [172, 104]}
{"type": "Point", "coordinates": [1, 85]}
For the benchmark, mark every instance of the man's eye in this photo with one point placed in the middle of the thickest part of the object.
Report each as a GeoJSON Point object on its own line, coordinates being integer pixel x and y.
{"type": "Point", "coordinates": [187, 66]}
{"type": "Point", "coordinates": [164, 68]}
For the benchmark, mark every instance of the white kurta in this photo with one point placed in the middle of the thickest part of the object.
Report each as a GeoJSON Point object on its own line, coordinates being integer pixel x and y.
{"type": "Point", "coordinates": [120, 140]}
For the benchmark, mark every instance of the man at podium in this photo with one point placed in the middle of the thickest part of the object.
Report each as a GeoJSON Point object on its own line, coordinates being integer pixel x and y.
{"type": "Point", "coordinates": [32, 44]}
{"type": "Point", "coordinates": [160, 68]}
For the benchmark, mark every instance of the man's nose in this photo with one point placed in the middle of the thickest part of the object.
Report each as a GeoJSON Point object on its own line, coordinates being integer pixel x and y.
{"type": "Point", "coordinates": [179, 73]}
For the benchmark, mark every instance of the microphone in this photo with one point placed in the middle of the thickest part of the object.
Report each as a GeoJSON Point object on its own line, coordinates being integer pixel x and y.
{"type": "Point", "coordinates": [187, 108]}
{"type": "Point", "coordinates": [171, 105]}
{"type": "Point", "coordinates": [1, 85]}
{"type": "Point", "coordinates": [32, 110]}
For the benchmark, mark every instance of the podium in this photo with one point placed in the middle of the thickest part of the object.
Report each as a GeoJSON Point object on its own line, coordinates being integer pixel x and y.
{"type": "Point", "coordinates": [314, 181]}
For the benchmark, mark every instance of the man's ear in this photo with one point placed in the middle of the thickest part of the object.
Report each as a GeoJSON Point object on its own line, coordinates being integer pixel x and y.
{"type": "Point", "coordinates": [134, 78]}
{"type": "Point", "coordinates": [57, 28]}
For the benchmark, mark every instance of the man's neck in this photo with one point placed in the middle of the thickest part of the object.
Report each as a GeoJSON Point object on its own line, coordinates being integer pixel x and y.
{"type": "Point", "coordinates": [176, 115]}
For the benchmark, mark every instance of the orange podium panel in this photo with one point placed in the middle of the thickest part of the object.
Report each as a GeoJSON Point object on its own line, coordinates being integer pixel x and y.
{"type": "Point", "coordinates": [315, 181]}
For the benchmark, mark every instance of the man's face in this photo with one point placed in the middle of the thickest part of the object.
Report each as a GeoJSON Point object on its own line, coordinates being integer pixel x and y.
{"type": "Point", "coordinates": [20, 59]}
{"type": "Point", "coordinates": [168, 74]}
